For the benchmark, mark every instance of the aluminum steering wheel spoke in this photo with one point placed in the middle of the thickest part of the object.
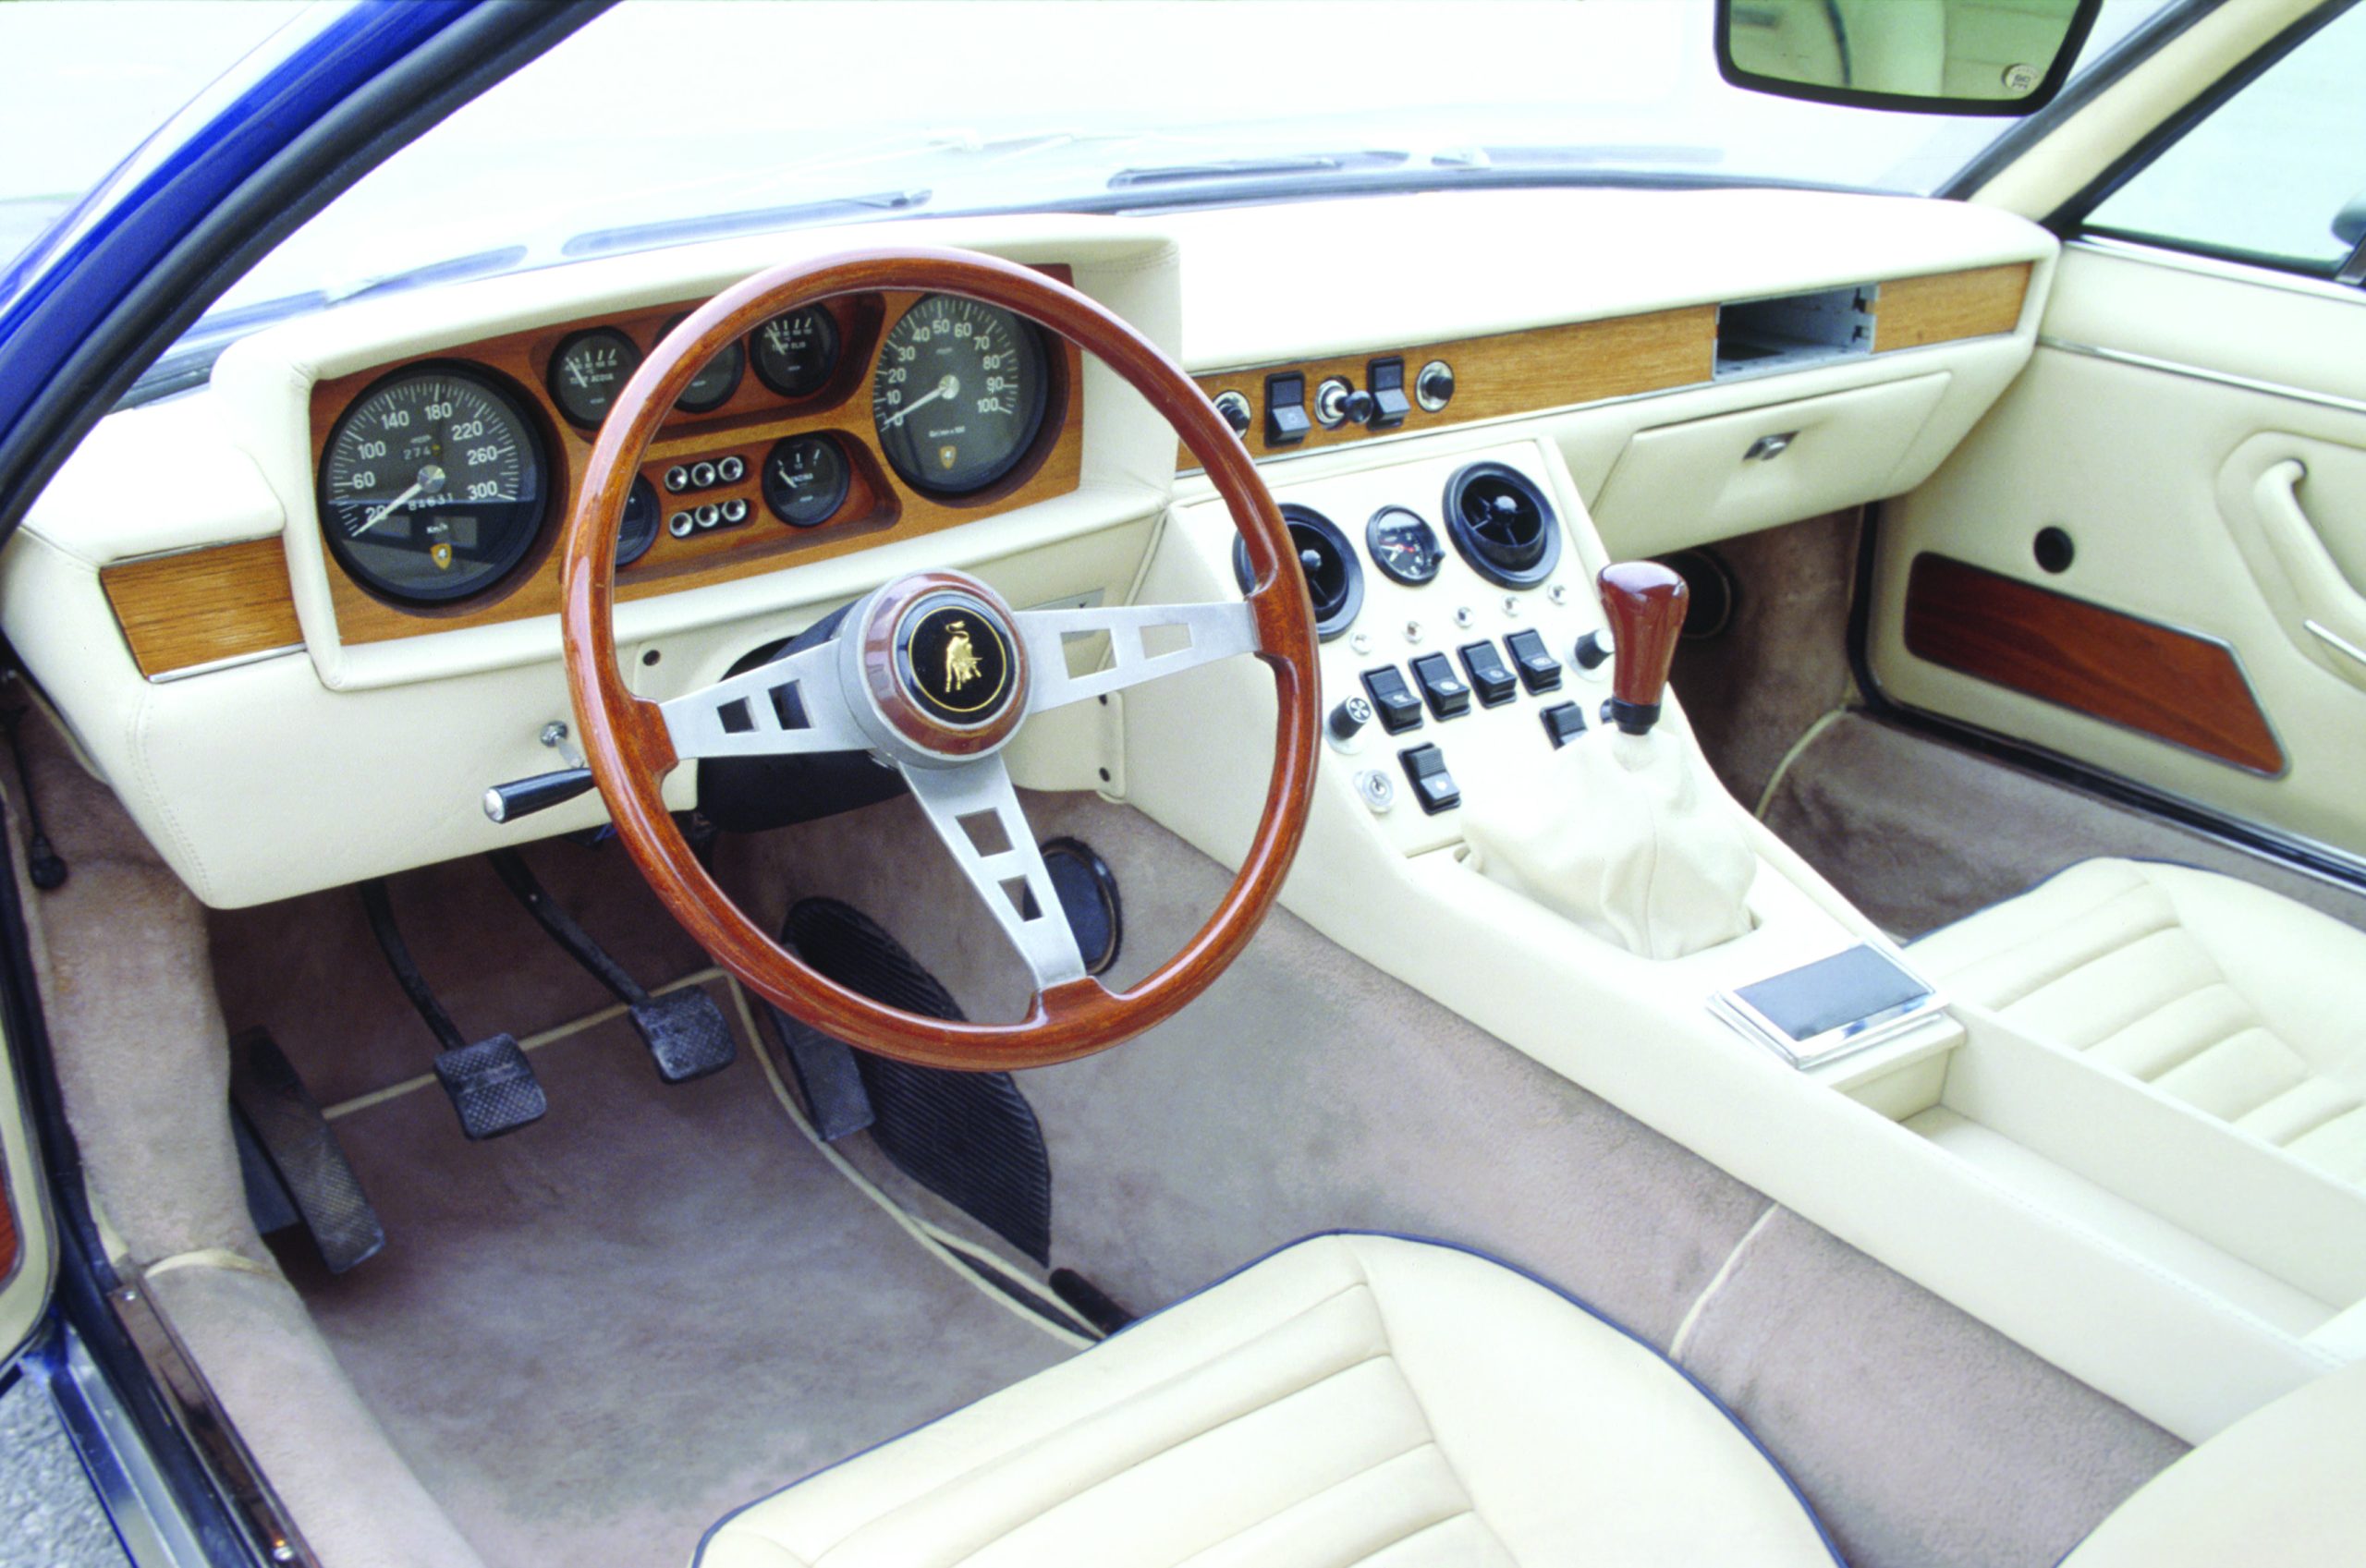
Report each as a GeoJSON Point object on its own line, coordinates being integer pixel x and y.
{"type": "Point", "coordinates": [786, 706]}
{"type": "Point", "coordinates": [1146, 643]}
{"type": "Point", "coordinates": [976, 812]}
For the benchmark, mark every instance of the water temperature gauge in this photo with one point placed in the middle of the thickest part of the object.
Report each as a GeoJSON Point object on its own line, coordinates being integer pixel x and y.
{"type": "Point", "coordinates": [1404, 546]}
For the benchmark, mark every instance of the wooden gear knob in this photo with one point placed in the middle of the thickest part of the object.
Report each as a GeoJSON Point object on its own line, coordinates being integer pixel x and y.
{"type": "Point", "coordinates": [1645, 602]}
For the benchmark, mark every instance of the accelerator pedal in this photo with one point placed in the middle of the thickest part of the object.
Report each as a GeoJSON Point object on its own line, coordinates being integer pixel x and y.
{"type": "Point", "coordinates": [685, 1031]}
{"type": "Point", "coordinates": [971, 1138]}
{"type": "Point", "coordinates": [490, 1082]}
{"type": "Point", "coordinates": [307, 1178]}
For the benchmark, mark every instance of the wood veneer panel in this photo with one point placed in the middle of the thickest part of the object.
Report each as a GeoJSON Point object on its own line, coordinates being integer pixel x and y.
{"type": "Point", "coordinates": [1506, 374]}
{"type": "Point", "coordinates": [1981, 302]}
{"type": "Point", "coordinates": [2155, 679]}
{"type": "Point", "coordinates": [746, 425]}
{"type": "Point", "coordinates": [9, 1245]}
{"type": "Point", "coordinates": [223, 602]}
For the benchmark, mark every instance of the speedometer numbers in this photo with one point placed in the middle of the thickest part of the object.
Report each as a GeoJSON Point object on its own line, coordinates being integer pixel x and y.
{"type": "Point", "coordinates": [959, 394]}
{"type": "Point", "coordinates": [433, 484]}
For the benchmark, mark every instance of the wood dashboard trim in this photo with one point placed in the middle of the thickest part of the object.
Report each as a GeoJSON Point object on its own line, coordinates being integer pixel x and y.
{"type": "Point", "coordinates": [1947, 307]}
{"type": "Point", "coordinates": [1503, 375]}
{"type": "Point", "coordinates": [2159, 681]}
{"type": "Point", "coordinates": [203, 606]}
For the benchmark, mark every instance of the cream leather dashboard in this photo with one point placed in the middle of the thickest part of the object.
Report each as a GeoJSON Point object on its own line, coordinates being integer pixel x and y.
{"type": "Point", "coordinates": [367, 755]}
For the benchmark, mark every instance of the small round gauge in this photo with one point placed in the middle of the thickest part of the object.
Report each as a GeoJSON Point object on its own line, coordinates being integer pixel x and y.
{"type": "Point", "coordinates": [717, 380]}
{"type": "Point", "coordinates": [434, 483]}
{"type": "Point", "coordinates": [1404, 546]}
{"type": "Point", "coordinates": [805, 479]}
{"type": "Point", "coordinates": [637, 529]}
{"type": "Point", "coordinates": [588, 372]}
{"type": "Point", "coordinates": [959, 394]}
{"type": "Point", "coordinates": [796, 353]}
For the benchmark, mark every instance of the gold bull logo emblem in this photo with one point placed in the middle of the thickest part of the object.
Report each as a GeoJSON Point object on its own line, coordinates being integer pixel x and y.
{"type": "Point", "coordinates": [960, 657]}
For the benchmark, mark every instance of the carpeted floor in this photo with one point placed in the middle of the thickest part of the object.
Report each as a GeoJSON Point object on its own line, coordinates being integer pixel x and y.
{"type": "Point", "coordinates": [1918, 832]}
{"type": "Point", "coordinates": [594, 1337]}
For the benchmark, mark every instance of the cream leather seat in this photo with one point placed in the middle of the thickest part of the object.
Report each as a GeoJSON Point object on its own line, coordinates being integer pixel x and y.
{"type": "Point", "coordinates": [2236, 1001]}
{"type": "Point", "coordinates": [1351, 1400]}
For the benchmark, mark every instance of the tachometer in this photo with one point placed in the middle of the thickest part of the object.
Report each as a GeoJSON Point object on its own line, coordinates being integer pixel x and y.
{"type": "Point", "coordinates": [958, 393]}
{"type": "Point", "coordinates": [433, 484]}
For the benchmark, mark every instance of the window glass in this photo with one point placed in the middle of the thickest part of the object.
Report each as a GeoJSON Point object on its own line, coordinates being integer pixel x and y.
{"type": "Point", "coordinates": [2267, 177]}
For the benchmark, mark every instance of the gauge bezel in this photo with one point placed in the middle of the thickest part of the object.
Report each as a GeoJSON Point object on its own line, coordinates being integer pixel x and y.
{"type": "Point", "coordinates": [829, 370]}
{"type": "Point", "coordinates": [737, 349]}
{"type": "Point", "coordinates": [552, 385]}
{"type": "Point", "coordinates": [628, 550]}
{"type": "Point", "coordinates": [846, 477]}
{"type": "Point", "coordinates": [1049, 395]}
{"type": "Point", "coordinates": [534, 427]}
{"type": "Point", "coordinates": [1373, 526]}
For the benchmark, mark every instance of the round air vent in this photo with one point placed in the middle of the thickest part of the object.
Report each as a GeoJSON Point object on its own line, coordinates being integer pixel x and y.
{"type": "Point", "coordinates": [1335, 579]}
{"type": "Point", "coordinates": [1502, 525]}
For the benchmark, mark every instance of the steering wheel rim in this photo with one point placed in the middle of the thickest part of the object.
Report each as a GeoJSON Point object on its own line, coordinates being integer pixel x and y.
{"type": "Point", "coordinates": [629, 749]}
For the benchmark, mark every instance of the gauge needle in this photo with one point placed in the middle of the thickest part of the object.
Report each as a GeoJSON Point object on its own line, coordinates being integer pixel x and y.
{"type": "Point", "coordinates": [945, 388]}
{"type": "Point", "coordinates": [380, 515]}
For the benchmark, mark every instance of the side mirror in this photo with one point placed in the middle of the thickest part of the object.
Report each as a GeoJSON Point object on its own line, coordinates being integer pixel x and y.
{"type": "Point", "coordinates": [1932, 57]}
{"type": "Point", "coordinates": [2350, 223]}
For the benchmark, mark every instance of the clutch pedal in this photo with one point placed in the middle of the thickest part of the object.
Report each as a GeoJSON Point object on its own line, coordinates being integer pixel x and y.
{"type": "Point", "coordinates": [686, 1032]}
{"type": "Point", "coordinates": [491, 1083]}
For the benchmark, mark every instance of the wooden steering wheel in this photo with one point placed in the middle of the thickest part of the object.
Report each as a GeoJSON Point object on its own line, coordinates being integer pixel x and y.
{"type": "Point", "coordinates": [903, 676]}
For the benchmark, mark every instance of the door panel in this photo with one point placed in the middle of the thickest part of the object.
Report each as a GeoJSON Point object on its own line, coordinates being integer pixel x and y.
{"type": "Point", "coordinates": [2199, 431]}
{"type": "Point", "coordinates": [27, 1260]}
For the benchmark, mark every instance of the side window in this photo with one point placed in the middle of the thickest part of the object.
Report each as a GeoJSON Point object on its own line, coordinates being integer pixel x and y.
{"type": "Point", "coordinates": [2275, 175]}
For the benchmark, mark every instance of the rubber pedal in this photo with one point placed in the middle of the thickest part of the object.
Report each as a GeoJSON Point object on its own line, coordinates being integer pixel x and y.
{"type": "Point", "coordinates": [1087, 893]}
{"type": "Point", "coordinates": [303, 1154]}
{"type": "Point", "coordinates": [493, 1087]}
{"type": "Point", "coordinates": [686, 1034]}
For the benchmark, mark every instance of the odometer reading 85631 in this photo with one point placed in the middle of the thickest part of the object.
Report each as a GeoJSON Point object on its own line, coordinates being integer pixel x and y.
{"type": "Point", "coordinates": [959, 394]}
{"type": "Point", "coordinates": [433, 484]}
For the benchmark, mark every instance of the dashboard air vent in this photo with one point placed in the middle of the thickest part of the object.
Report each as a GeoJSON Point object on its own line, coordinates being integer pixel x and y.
{"type": "Point", "coordinates": [1502, 525]}
{"type": "Point", "coordinates": [1334, 577]}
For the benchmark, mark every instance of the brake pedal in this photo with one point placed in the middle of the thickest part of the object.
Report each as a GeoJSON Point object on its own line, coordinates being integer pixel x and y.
{"type": "Point", "coordinates": [303, 1158]}
{"type": "Point", "coordinates": [687, 1035]}
{"type": "Point", "coordinates": [491, 1084]}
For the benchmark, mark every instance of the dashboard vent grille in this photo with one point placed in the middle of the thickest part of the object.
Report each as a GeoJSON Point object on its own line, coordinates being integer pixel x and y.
{"type": "Point", "coordinates": [1334, 577]}
{"type": "Point", "coordinates": [1502, 525]}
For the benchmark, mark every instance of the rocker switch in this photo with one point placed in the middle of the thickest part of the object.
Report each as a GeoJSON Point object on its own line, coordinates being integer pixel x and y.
{"type": "Point", "coordinates": [1285, 416]}
{"type": "Point", "coordinates": [1399, 708]}
{"type": "Point", "coordinates": [1448, 697]}
{"type": "Point", "coordinates": [1433, 786]}
{"type": "Point", "coordinates": [1389, 404]}
{"type": "Point", "coordinates": [1489, 674]}
{"type": "Point", "coordinates": [1538, 671]}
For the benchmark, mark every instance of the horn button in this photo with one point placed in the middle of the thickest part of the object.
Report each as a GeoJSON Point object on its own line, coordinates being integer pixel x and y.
{"type": "Point", "coordinates": [943, 664]}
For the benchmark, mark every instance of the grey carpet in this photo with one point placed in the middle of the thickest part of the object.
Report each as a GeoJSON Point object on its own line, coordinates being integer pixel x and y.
{"type": "Point", "coordinates": [1307, 1091]}
{"type": "Point", "coordinates": [1918, 832]}
{"type": "Point", "coordinates": [594, 1337]}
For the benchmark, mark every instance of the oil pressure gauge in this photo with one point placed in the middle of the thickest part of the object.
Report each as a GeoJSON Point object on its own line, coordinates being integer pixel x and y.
{"type": "Point", "coordinates": [1404, 546]}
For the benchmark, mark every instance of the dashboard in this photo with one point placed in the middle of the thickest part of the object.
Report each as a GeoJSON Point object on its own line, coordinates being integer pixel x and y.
{"type": "Point", "coordinates": [342, 620]}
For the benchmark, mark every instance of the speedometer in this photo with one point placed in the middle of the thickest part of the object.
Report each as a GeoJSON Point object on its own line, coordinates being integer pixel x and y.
{"type": "Point", "coordinates": [959, 394]}
{"type": "Point", "coordinates": [433, 484]}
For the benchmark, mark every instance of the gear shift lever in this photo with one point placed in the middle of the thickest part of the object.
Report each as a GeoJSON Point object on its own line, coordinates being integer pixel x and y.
{"type": "Point", "coordinates": [1645, 602]}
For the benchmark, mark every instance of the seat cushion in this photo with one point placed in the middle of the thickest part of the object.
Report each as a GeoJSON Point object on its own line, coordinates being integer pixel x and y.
{"type": "Point", "coordinates": [1353, 1399]}
{"type": "Point", "coordinates": [2235, 1000]}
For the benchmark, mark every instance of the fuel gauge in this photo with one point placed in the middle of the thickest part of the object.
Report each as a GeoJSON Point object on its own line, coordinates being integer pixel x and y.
{"type": "Point", "coordinates": [1404, 546]}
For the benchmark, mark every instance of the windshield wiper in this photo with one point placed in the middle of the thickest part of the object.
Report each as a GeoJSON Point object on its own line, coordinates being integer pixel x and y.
{"type": "Point", "coordinates": [751, 220]}
{"type": "Point", "coordinates": [1292, 166]}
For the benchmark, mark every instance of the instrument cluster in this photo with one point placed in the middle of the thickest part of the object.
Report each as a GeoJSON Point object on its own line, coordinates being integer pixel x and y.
{"type": "Point", "coordinates": [444, 481]}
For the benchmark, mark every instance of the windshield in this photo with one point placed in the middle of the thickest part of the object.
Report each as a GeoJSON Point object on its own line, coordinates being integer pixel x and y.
{"type": "Point", "coordinates": [669, 120]}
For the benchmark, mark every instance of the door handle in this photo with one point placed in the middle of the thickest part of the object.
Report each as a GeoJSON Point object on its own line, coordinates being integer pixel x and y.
{"type": "Point", "coordinates": [2332, 610]}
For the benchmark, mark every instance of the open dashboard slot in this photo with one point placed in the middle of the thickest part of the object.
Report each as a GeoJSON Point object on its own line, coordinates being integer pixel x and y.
{"type": "Point", "coordinates": [1794, 330]}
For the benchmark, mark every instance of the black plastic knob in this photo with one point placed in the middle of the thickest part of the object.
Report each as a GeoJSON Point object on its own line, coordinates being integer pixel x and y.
{"type": "Point", "coordinates": [1435, 387]}
{"type": "Point", "coordinates": [523, 797]}
{"type": "Point", "coordinates": [1592, 651]}
{"type": "Point", "coordinates": [1236, 411]}
{"type": "Point", "coordinates": [1351, 716]}
{"type": "Point", "coordinates": [1358, 407]}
